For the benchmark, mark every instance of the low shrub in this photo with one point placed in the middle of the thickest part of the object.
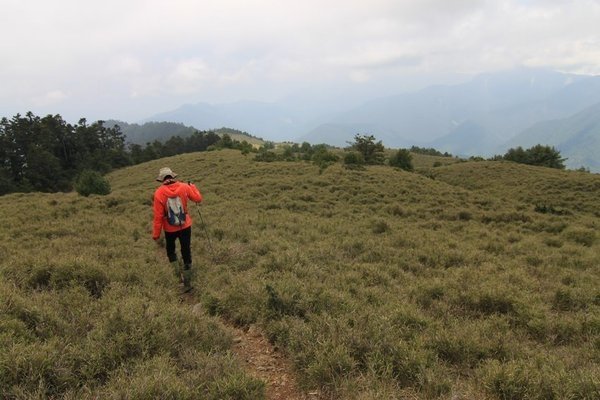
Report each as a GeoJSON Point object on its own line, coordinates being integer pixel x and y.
{"type": "Point", "coordinates": [380, 226]}
{"type": "Point", "coordinates": [549, 209]}
{"type": "Point", "coordinates": [354, 160]}
{"type": "Point", "coordinates": [91, 182]}
{"type": "Point", "coordinates": [402, 159]}
{"type": "Point", "coordinates": [515, 381]}
{"type": "Point", "coordinates": [583, 237]}
{"type": "Point", "coordinates": [464, 215]}
{"type": "Point", "coordinates": [568, 300]}
{"type": "Point", "coordinates": [266, 156]}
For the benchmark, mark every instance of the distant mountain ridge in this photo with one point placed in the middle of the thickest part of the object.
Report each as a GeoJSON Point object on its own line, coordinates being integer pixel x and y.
{"type": "Point", "coordinates": [491, 109]}
{"type": "Point", "coordinates": [478, 117]}
{"type": "Point", "coordinates": [162, 131]}
{"type": "Point", "coordinates": [262, 119]}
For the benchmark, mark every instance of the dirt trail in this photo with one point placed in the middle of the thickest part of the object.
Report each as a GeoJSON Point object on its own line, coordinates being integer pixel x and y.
{"type": "Point", "coordinates": [266, 363]}
{"type": "Point", "coordinates": [262, 360]}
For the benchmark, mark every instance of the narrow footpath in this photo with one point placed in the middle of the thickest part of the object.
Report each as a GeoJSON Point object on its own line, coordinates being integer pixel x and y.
{"type": "Point", "coordinates": [266, 363]}
{"type": "Point", "coordinates": [262, 360]}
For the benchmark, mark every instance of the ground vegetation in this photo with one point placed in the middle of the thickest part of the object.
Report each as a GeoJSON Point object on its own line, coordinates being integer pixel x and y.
{"type": "Point", "coordinates": [476, 280]}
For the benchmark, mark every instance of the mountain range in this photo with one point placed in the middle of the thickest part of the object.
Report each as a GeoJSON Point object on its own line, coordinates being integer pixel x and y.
{"type": "Point", "coordinates": [483, 116]}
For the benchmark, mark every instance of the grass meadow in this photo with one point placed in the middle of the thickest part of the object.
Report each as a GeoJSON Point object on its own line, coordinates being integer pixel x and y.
{"type": "Point", "coordinates": [476, 280]}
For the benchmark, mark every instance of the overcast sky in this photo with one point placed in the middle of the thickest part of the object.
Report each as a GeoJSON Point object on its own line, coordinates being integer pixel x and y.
{"type": "Point", "coordinates": [129, 59]}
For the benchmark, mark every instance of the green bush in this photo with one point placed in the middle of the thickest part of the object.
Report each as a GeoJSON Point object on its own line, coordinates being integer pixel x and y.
{"type": "Point", "coordinates": [323, 157]}
{"type": "Point", "coordinates": [543, 156]}
{"type": "Point", "coordinates": [266, 156]}
{"type": "Point", "coordinates": [354, 160]}
{"type": "Point", "coordinates": [402, 159]}
{"type": "Point", "coordinates": [371, 151]}
{"type": "Point", "coordinates": [91, 182]}
{"type": "Point", "coordinates": [380, 227]}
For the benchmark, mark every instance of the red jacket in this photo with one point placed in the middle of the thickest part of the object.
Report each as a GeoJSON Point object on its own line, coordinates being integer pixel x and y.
{"type": "Point", "coordinates": [184, 191]}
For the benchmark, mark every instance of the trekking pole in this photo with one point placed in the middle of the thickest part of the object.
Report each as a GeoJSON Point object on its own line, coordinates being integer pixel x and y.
{"type": "Point", "coordinates": [212, 252]}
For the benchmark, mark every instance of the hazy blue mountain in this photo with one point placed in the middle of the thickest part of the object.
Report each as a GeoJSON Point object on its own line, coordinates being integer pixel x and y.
{"type": "Point", "coordinates": [501, 104]}
{"type": "Point", "coordinates": [473, 118]}
{"type": "Point", "coordinates": [577, 137]}
{"type": "Point", "coordinates": [469, 138]}
{"type": "Point", "coordinates": [267, 120]}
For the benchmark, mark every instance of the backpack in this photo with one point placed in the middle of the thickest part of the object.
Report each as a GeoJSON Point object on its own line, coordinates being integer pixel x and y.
{"type": "Point", "coordinates": [175, 213]}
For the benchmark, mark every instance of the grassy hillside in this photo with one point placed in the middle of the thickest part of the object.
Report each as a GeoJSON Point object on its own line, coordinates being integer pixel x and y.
{"type": "Point", "coordinates": [377, 284]}
{"type": "Point", "coordinates": [564, 191]}
{"type": "Point", "coordinates": [240, 136]}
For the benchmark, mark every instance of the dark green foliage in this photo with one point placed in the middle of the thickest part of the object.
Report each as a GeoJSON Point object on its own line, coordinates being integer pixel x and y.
{"type": "Point", "coordinates": [226, 142]}
{"type": "Point", "coordinates": [402, 159]}
{"type": "Point", "coordinates": [45, 154]}
{"type": "Point", "coordinates": [150, 131]}
{"type": "Point", "coordinates": [354, 160]}
{"type": "Point", "coordinates": [266, 156]}
{"type": "Point", "coordinates": [429, 151]}
{"type": "Point", "coordinates": [380, 227]}
{"type": "Point", "coordinates": [543, 156]}
{"type": "Point", "coordinates": [197, 141]}
{"type": "Point", "coordinates": [319, 154]}
{"type": "Point", "coordinates": [371, 151]}
{"type": "Point", "coordinates": [322, 157]}
{"type": "Point", "coordinates": [91, 182]}
{"type": "Point", "coordinates": [464, 215]}
{"type": "Point", "coordinates": [550, 209]}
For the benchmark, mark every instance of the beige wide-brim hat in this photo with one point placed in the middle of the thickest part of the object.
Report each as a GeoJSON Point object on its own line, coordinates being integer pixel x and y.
{"type": "Point", "coordinates": [164, 172]}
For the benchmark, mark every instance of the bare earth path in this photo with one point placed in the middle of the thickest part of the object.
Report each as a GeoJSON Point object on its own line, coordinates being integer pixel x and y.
{"type": "Point", "coordinates": [262, 361]}
{"type": "Point", "coordinates": [268, 364]}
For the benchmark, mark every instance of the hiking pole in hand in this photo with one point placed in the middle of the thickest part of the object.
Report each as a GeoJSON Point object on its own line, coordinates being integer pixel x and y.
{"type": "Point", "coordinates": [212, 252]}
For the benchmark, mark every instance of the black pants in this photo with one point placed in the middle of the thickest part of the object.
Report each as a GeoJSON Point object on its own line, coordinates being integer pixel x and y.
{"type": "Point", "coordinates": [185, 240]}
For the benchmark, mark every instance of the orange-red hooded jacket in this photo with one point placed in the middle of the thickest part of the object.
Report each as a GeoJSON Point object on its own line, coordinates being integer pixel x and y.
{"type": "Point", "coordinates": [184, 191]}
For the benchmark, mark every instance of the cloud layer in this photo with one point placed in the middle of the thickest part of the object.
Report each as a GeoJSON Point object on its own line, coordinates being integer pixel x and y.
{"type": "Point", "coordinates": [131, 59]}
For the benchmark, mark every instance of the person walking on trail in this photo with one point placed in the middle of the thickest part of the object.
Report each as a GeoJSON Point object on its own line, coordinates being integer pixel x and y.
{"type": "Point", "coordinates": [171, 215]}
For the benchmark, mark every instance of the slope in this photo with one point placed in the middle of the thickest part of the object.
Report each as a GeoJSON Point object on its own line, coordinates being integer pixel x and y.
{"type": "Point", "coordinates": [385, 284]}
{"type": "Point", "coordinates": [375, 284]}
{"type": "Point", "coordinates": [570, 191]}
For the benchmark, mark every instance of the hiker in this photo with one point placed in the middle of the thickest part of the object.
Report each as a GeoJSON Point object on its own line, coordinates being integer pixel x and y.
{"type": "Point", "coordinates": [171, 215]}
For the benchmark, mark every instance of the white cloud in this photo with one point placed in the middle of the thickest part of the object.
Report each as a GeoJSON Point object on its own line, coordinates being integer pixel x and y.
{"type": "Point", "coordinates": [189, 76]}
{"type": "Point", "coordinates": [184, 49]}
{"type": "Point", "coordinates": [50, 98]}
{"type": "Point", "coordinates": [125, 65]}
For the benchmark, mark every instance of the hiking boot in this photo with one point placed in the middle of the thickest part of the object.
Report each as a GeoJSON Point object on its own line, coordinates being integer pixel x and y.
{"type": "Point", "coordinates": [187, 278]}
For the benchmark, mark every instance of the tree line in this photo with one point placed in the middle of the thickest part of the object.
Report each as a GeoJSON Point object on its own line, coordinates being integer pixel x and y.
{"type": "Point", "coordinates": [540, 155]}
{"type": "Point", "coordinates": [47, 154]}
{"type": "Point", "coordinates": [366, 150]}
